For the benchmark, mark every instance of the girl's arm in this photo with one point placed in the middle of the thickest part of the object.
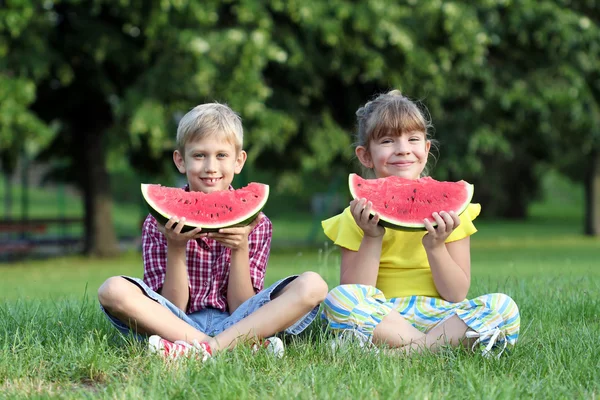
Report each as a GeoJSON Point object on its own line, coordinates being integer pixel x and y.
{"type": "Point", "coordinates": [451, 269]}
{"type": "Point", "coordinates": [450, 263]}
{"type": "Point", "coordinates": [362, 266]}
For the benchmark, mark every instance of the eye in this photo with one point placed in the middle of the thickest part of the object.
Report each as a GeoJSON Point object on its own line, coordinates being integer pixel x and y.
{"type": "Point", "coordinates": [415, 139]}
{"type": "Point", "coordinates": [221, 155]}
{"type": "Point", "coordinates": [386, 140]}
{"type": "Point", "coordinates": [198, 155]}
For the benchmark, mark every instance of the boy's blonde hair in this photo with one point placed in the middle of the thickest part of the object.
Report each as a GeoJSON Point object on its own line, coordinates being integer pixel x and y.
{"type": "Point", "coordinates": [390, 114]}
{"type": "Point", "coordinates": [210, 119]}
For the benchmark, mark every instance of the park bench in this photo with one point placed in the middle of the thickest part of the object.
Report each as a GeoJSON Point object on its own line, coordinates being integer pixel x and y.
{"type": "Point", "coordinates": [15, 234]}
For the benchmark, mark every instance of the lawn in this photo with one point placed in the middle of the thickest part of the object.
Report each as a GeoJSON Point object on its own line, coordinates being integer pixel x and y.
{"type": "Point", "coordinates": [54, 342]}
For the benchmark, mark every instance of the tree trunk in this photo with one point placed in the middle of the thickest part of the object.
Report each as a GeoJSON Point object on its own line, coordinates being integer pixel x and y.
{"type": "Point", "coordinates": [592, 196]}
{"type": "Point", "coordinates": [100, 236]}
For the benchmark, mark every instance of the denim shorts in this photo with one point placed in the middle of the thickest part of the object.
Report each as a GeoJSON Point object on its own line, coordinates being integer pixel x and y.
{"type": "Point", "coordinates": [211, 321]}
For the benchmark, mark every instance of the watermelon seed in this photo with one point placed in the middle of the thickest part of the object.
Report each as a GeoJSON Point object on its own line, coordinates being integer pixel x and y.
{"type": "Point", "coordinates": [243, 200]}
{"type": "Point", "coordinates": [412, 198]}
{"type": "Point", "coordinates": [415, 191]}
{"type": "Point", "coordinates": [445, 195]}
{"type": "Point", "coordinates": [230, 208]}
{"type": "Point", "coordinates": [385, 205]}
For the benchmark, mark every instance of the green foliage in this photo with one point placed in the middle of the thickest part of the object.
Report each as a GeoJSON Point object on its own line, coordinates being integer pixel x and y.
{"type": "Point", "coordinates": [508, 85]}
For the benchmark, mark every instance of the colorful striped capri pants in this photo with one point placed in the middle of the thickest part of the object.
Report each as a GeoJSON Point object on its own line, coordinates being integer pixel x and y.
{"type": "Point", "coordinates": [362, 307]}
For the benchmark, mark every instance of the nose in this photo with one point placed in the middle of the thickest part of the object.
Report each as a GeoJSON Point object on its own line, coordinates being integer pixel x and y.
{"type": "Point", "coordinates": [402, 146]}
{"type": "Point", "coordinates": [209, 165]}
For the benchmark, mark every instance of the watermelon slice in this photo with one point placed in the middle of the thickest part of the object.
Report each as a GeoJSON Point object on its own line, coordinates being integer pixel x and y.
{"type": "Point", "coordinates": [404, 203]}
{"type": "Point", "coordinates": [209, 211]}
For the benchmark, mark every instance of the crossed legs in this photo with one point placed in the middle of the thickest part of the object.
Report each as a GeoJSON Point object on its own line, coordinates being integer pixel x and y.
{"type": "Point", "coordinates": [125, 301]}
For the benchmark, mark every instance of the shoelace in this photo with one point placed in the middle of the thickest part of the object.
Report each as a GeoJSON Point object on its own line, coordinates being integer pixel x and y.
{"type": "Point", "coordinates": [353, 335]}
{"type": "Point", "coordinates": [493, 335]}
{"type": "Point", "coordinates": [194, 346]}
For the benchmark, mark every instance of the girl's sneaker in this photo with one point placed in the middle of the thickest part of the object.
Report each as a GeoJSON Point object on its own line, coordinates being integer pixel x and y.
{"type": "Point", "coordinates": [179, 348]}
{"type": "Point", "coordinates": [494, 341]}
{"type": "Point", "coordinates": [272, 345]}
{"type": "Point", "coordinates": [352, 337]}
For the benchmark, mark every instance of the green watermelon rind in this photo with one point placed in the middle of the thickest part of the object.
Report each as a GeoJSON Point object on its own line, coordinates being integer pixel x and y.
{"type": "Point", "coordinates": [407, 227]}
{"type": "Point", "coordinates": [163, 217]}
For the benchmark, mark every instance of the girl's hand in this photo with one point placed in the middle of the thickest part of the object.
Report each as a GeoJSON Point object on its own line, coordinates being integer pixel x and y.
{"type": "Point", "coordinates": [235, 238]}
{"type": "Point", "coordinates": [436, 236]}
{"type": "Point", "coordinates": [361, 211]}
{"type": "Point", "coordinates": [172, 231]}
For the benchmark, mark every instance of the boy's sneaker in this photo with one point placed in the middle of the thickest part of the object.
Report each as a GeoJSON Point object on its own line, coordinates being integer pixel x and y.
{"type": "Point", "coordinates": [496, 341]}
{"type": "Point", "coordinates": [170, 350]}
{"type": "Point", "coordinates": [272, 345]}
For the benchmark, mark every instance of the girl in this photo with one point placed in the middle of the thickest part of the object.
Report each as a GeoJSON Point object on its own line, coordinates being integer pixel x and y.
{"type": "Point", "coordinates": [406, 290]}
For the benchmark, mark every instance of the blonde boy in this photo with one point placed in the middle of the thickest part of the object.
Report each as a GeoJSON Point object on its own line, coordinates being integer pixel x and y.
{"type": "Point", "coordinates": [203, 293]}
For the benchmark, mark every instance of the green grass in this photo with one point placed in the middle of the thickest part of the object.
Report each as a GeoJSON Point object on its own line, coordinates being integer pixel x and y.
{"type": "Point", "coordinates": [55, 342]}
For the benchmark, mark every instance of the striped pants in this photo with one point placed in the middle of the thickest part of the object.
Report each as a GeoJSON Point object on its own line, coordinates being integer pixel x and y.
{"type": "Point", "coordinates": [362, 307]}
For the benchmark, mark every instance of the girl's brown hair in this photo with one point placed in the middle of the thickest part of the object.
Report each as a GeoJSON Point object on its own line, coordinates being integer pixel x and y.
{"type": "Point", "coordinates": [391, 114]}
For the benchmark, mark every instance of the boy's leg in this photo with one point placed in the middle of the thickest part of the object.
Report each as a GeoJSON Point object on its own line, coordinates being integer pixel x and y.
{"type": "Point", "coordinates": [125, 301]}
{"type": "Point", "coordinates": [281, 311]}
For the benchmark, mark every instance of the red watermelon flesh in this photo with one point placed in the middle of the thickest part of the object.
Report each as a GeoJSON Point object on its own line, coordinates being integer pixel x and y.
{"type": "Point", "coordinates": [209, 211]}
{"type": "Point", "coordinates": [404, 203]}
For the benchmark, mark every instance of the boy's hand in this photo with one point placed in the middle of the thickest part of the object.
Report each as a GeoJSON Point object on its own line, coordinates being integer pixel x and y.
{"type": "Point", "coordinates": [361, 211]}
{"type": "Point", "coordinates": [235, 238]}
{"type": "Point", "coordinates": [172, 231]}
{"type": "Point", "coordinates": [436, 236]}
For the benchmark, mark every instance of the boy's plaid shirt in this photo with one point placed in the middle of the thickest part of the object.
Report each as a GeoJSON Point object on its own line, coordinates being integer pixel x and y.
{"type": "Point", "coordinates": [207, 264]}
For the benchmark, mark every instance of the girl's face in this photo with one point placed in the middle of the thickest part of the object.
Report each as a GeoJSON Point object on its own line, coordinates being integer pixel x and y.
{"type": "Point", "coordinates": [404, 156]}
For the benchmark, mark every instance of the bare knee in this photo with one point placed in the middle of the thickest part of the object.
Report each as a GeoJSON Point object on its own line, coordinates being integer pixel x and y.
{"type": "Point", "coordinates": [114, 293]}
{"type": "Point", "coordinates": [311, 288]}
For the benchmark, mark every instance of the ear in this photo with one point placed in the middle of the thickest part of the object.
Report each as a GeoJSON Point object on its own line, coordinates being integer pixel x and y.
{"type": "Point", "coordinates": [364, 156]}
{"type": "Point", "coordinates": [427, 145]}
{"type": "Point", "coordinates": [179, 161]}
{"type": "Point", "coordinates": [240, 161]}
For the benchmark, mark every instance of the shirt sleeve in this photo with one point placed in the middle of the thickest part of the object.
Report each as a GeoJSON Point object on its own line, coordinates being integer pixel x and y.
{"type": "Point", "coordinates": [154, 254]}
{"type": "Point", "coordinates": [466, 227]}
{"type": "Point", "coordinates": [259, 242]}
{"type": "Point", "coordinates": [343, 231]}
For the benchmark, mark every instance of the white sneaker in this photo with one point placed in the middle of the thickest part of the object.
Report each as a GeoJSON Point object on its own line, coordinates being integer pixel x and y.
{"type": "Point", "coordinates": [272, 345]}
{"type": "Point", "coordinates": [352, 337]}
{"type": "Point", "coordinates": [178, 349]}
{"type": "Point", "coordinates": [495, 336]}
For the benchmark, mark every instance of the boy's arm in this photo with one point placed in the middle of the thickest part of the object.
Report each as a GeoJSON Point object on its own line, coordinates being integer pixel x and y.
{"type": "Point", "coordinates": [176, 284]}
{"type": "Point", "coordinates": [250, 248]}
{"type": "Point", "coordinates": [165, 268]}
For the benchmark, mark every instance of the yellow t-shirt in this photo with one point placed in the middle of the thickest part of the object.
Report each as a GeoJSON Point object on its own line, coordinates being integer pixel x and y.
{"type": "Point", "coordinates": [403, 269]}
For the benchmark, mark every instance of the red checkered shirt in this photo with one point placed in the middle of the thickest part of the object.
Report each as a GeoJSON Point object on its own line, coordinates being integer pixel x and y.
{"type": "Point", "coordinates": [208, 264]}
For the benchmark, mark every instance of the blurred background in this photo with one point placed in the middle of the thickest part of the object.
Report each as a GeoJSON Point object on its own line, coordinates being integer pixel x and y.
{"type": "Point", "coordinates": [91, 93]}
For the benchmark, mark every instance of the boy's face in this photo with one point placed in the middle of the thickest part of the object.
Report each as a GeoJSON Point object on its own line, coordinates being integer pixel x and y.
{"type": "Point", "coordinates": [209, 163]}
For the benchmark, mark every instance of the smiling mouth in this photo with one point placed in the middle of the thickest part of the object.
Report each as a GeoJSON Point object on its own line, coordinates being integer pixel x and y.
{"type": "Point", "coordinates": [210, 180]}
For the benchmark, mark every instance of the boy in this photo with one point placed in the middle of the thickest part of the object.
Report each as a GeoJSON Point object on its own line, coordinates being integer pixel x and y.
{"type": "Point", "coordinates": [203, 292]}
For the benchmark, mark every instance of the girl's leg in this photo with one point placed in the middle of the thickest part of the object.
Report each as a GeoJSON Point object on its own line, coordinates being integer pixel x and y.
{"type": "Point", "coordinates": [294, 301]}
{"type": "Point", "coordinates": [452, 331]}
{"type": "Point", "coordinates": [125, 301]}
{"type": "Point", "coordinates": [396, 332]}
